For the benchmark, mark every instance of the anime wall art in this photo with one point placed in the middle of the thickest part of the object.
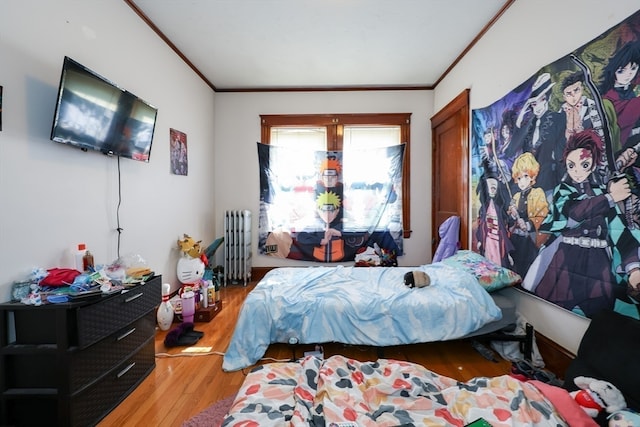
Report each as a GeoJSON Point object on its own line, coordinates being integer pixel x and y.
{"type": "Point", "coordinates": [331, 206]}
{"type": "Point", "coordinates": [556, 177]}
{"type": "Point", "coordinates": [178, 150]}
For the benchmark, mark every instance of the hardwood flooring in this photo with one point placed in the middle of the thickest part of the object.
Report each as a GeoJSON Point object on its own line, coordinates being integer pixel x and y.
{"type": "Point", "coordinates": [183, 385]}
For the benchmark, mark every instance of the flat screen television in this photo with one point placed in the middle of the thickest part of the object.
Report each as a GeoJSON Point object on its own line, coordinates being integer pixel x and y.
{"type": "Point", "coordinates": [92, 113]}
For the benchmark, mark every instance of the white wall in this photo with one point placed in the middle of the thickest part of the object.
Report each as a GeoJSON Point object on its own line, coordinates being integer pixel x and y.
{"type": "Point", "coordinates": [237, 129]}
{"type": "Point", "coordinates": [54, 196]}
{"type": "Point", "coordinates": [531, 34]}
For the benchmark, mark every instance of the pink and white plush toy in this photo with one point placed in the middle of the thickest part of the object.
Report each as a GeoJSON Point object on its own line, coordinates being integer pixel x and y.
{"type": "Point", "coordinates": [595, 395]}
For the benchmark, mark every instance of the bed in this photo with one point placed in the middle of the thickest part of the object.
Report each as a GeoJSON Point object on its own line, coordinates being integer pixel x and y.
{"type": "Point", "coordinates": [343, 392]}
{"type": "Point", "coordinates": [386, 392]}
{"type": "Point", "coordinates": [370, 306]}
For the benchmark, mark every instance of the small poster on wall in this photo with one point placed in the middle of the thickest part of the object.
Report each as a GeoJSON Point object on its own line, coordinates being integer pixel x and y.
{"type": "Point", "coordinates": [178, 149]}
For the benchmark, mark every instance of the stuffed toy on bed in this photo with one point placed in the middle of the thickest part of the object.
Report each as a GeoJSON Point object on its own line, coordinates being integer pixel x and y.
{"type": "Point", "coordinates": [417, 279]}
{"type": "Point", "coordinates": [595, 395]}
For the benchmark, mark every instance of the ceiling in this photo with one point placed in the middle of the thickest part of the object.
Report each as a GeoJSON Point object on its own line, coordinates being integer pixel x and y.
{"type": "Point", "coordinates": [266, 45]}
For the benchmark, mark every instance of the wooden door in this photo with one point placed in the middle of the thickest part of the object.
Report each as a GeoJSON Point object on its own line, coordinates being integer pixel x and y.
{"type": "Point", "coordinates": [450, 157]}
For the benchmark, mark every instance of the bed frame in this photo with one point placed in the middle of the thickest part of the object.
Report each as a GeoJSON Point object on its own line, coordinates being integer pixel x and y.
{"type": "Point", "coordinates": [501, 329]}
{"type": "Point", "coordinates": [525, 340]}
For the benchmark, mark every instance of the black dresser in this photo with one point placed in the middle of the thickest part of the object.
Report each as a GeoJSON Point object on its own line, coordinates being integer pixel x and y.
{"type": "Point", "coordinates": [70, 364]}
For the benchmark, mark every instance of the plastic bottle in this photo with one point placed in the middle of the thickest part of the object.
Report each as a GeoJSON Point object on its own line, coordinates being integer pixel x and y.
{"type": "Point", "coordinates": [217, 291]}
{"type": "Point", "coordinates": [79, 255]}
{"type": "Point", "coordinates": [211, 292]}
{"type": "Point", "coordinates": [87, 262]}
{"type": "Point", "coordinates": [204, 300]}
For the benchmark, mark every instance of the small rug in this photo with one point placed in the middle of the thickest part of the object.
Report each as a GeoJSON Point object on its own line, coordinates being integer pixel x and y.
{"type": "Point", "coordinates": [213, 415]}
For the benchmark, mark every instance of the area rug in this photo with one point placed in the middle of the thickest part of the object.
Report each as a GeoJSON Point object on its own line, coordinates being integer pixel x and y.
{"type": "Point", "coordinates": [213, 415]}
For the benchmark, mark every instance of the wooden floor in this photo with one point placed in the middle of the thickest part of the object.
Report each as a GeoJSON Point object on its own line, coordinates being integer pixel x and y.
{"type": "Point", "coordinates": [182, 386]}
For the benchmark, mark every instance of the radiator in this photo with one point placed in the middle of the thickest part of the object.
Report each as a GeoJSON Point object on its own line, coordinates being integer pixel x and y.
{"type": "Point", "coordinates": [237, 246]}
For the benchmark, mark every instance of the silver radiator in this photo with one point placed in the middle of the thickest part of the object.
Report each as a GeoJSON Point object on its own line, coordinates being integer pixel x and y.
{"type": "Point", "coordinates": [237, 246]}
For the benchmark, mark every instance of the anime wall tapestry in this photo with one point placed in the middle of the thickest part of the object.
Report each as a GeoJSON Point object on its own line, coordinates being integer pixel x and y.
{"type": "Point", "coordinates": [331, 206]}
{"type": "Point", "coordinates": [556, 177]}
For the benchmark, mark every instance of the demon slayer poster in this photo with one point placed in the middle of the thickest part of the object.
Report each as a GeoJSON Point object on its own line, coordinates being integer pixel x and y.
{"type": "Point", "coordinates": [556, 177]}
{"type": "Point", "coordinates": [331, 206]}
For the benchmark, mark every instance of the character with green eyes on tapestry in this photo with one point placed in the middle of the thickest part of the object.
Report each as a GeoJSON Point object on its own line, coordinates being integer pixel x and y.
{"type": "Point", "coordinates": [326, 245]}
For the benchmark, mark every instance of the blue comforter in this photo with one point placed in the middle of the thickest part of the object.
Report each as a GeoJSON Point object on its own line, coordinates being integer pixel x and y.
{"type": "Point", "coordinates": [356, 305]}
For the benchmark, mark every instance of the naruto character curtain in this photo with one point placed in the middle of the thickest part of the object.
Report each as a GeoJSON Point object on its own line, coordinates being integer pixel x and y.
{"type": "Point", "coordinates": [556, 177]}
{"type": "Point", "coordinates": [331, 206]}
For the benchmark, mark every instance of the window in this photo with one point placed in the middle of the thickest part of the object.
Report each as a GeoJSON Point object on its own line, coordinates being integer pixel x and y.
{"type": "Point", "coordinates": [342, 132]}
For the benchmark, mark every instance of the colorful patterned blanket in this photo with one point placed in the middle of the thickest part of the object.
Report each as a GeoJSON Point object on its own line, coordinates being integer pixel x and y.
{"type": "Point", "coordinates": [384, 393]}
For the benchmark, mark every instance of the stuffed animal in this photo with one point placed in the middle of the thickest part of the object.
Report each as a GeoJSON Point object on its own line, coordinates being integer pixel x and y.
{"type": "Point", "coordinates": [190, 247]}
{"type": "Point", "coordinates": [190, 270]}
{"type": "Point", "coordinates": [417, 279]}
{"type": "Point", "coordinates": [595, 395]}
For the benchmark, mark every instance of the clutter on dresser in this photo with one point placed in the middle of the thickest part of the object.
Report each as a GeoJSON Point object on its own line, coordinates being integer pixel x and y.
{"type": "Point", "coordinates": [61, 284]}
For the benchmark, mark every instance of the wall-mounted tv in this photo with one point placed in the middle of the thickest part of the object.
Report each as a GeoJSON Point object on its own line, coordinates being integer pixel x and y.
{"type": "Point", "coordinates": [92, 113]}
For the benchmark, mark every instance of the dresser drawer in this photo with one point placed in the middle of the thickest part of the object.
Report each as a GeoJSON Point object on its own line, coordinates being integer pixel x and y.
{"type": "Point", "coordinates": [88, 365]}
{"type": "Point", "coordinates": [84, 323]}
{"type": "Point", "coordinates": [97, 321]}
{"type": "Point", "coordinates": [37, 370]}
{"type": "Point", "coordinates": [97, 401]}
{"type": "Point", "coordinates": [88, 406]}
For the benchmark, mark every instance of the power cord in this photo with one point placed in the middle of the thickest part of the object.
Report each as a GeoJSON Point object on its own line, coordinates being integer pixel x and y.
{"type": "Point", "coordinates": [271, 359]}
{"type": "Point", "coordinates": [118, 228]}
{"type": "Point", "coordinates": [210, 353]}
{"type": "Point", "coordinates": [169, 355]}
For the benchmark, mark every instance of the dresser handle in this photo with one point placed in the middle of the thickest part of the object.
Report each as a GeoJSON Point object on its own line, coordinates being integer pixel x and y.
{"type": "Point", "coordinates": [134, 297]}
{"type": "Point", "coordinates": [126, 334]}
{"type": "Point", "coordinates": [125, 370]}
